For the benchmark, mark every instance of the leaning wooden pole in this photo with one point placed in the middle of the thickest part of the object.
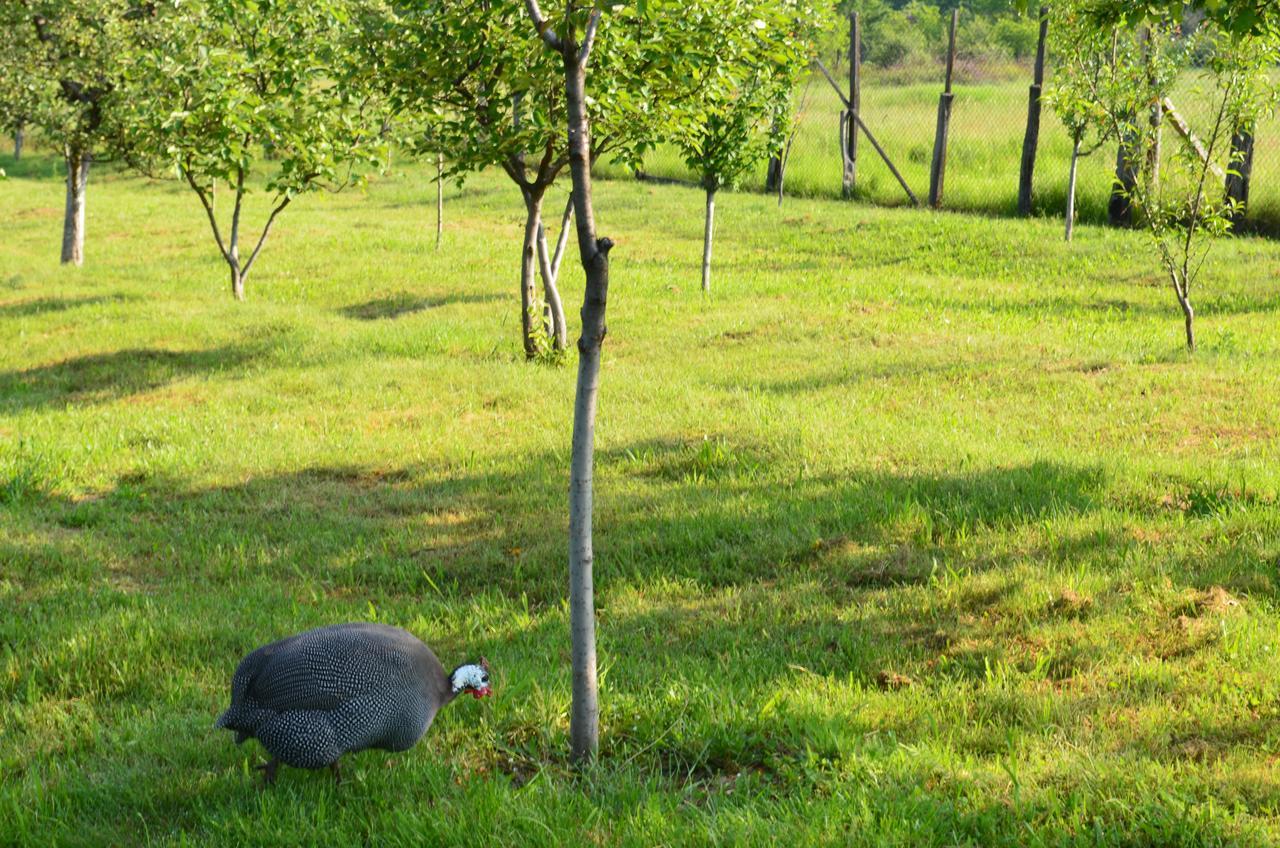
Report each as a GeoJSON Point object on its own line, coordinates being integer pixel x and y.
{"type": "Point", "coordinates": [938, 171]}
{"type": "Point", "coordinates": [848, 126]}
{"type": "Point", "coordinates": [857, 119]}
{"type": "Point", "coordinates": [1031, 141]}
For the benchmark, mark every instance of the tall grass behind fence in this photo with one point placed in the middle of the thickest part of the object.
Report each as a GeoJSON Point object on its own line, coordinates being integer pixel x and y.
{"type": "Point", "coordinates": [988, 123]}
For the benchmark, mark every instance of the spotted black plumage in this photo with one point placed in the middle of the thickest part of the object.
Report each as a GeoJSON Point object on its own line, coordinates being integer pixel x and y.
{"type": "Point", "coordinates": [313, 697]}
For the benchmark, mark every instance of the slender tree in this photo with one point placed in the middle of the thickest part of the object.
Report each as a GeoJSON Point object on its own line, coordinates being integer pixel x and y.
{"type": "Point", "coordinates": [61, 61]}
{"type": "Point", "coordinates": [489, 94]}
{"type": "Point", "coordinates": [1087, 61]}
{"type": "Point", "coordinates": [744, 115]}
{"type": "Point", "coordinates": [245, 94]}
{"type": "Point", "coordinates": [1175, 204]}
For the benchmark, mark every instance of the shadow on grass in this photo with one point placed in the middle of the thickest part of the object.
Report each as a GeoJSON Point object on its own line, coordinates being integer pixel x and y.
{"type": "Point", "coordinates": [104, 377]}
{"type": "Point", "coordinates": [45, 305]}
{"type": "Point", "coordinates": [713, 574]}
{"type": "Point", "coordinates": [404, 303]}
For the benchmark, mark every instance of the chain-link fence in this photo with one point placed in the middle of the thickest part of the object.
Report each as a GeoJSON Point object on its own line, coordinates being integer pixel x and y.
{"type": "Point", "coordinates": [899, 104]}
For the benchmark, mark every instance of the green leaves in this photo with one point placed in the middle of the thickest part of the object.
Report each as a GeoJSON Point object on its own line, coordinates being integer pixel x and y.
{"type": "Point", "coordinates": [741, 111]}
{"type": "Point", "coordinates": [220, 87]}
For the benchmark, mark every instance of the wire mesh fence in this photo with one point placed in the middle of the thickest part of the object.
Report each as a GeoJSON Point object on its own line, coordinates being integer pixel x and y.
{"type": "Point", "coordinates": [899, 105]}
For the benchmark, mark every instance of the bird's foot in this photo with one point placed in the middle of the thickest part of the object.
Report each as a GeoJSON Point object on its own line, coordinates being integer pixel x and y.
{"type": "Point", "coordinates": [336, 772]}
{"type": "Point", "coordinates": [268, 769]}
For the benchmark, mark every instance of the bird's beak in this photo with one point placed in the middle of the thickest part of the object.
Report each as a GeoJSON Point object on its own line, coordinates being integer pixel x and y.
{"type": "Point", "coordinates": [481, 693]}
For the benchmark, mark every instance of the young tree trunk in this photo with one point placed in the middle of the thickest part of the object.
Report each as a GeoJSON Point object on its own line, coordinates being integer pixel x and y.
{"type": "Point", "coordinates": [19, 137]}
{"type": "Point", "coordinates": [584, 716]}
{"type": "Point", "coordinates": [237, 278]}
{"type": "Point", "coordinates": [1071, 187]}
{"type": "Point", "coordinates": [708, 233]}
{"type": "Point", "coordinates": [73, 219]}
{"type": "Point", "coordinates": [529, 306]}
{"type": "Point", "coordinates": [233, 244]}
{"type": "Point", "coordinates": [555, 307]}
{"type": "Point", "coordinates": [562, 240]}
{"type": "Point", "coordinates": [439, 198]}
{"type": "Point", "coordinates": [1188, 314]}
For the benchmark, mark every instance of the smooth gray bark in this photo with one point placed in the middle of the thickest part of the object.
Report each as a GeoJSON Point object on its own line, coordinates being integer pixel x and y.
{"type": "Point", "coordinates": [562, 240]}
{"type": "Point", "coordinates": [1071, 188]}
{"type": "Point", "coordinates": [73, 219]}
{"type": "Point", "coordinates": [554, 305]}
{"type": "Point", "coordinates": [529, 306]}
{"type": "Point", "coordinates": [19, 138]}
{"type": "Point", "coordinates": [708, 233]}
{"type": "Point", "coordinates": [584, 712]}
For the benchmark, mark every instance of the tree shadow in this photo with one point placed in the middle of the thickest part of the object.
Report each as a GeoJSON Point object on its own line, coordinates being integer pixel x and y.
{"type": "Point", "coordinates": [45, 305]}
{"type": "Point", "coordinates": [712, 575]}
{"type": "Point", "coordinates": [404, 303]}
{"type": "Point", "coordinates": [98, 378]}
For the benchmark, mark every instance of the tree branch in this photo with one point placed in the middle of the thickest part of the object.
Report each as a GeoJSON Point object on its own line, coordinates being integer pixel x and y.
{"type": "Point", "coordinates": [545, 32]}
{"type": "Point", "coordinates": [208, 208]}
{"type": "Point", "coordinates": [588, 37]}
{"type": "Point", "coordinates": [265, 231]}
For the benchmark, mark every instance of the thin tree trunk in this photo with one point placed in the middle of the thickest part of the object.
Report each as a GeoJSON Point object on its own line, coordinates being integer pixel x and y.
{"type": "Point", "coordinates": [233, 244]}
{"type": "Point", "coordinates": [73, 219]}
{"type": "Point", "coordinates": [528, 269]}
{"type": "Point", "coordinates": [708, 233]}
{"type": "Point", "coordinates": [1071, 187]}
{"type": "Point", "coordinates": [439, 198]}
{"type": "Point", "coordinates": [19, 137]}
{"type": "Point", "coordinates": [562, 240]}
{"type": "Point", "coordinates": [1188, 314]}
{"type": "Point", "coordinates": [584, 715]}
{"type": "Point", "coordinates": [555, 306]}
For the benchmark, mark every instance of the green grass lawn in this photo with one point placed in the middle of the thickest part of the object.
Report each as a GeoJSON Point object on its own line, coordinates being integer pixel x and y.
{"type": "Point", "coordinates": [923, 530]}
{"type": "Point", "coordinates": [985, 151]}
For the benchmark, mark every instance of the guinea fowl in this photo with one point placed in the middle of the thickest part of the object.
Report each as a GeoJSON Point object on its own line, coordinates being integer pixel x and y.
{"type": "Point", "coordinates": [312, 697]}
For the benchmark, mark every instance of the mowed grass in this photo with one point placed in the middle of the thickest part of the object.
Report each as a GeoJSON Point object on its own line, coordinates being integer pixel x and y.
{"type": "Point", "coordinates": [988, 124]}
{"type": "Point", "coordinates": [922, 530]}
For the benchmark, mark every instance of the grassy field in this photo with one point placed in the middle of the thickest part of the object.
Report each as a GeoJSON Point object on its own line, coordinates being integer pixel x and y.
{"type": "Point", "coordinates": [897, 545]}
{"type": "Point", "coordinates": [987, 127]}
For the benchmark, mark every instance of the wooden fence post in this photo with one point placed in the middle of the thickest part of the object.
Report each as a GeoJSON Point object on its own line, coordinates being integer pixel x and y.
{"type": "Point", "coordinates": [1239, 172]}
{"type": "Point", "coordinates": [1120, 206]}
{"type": "Point", "coordinates": [848, 127]}
{"type": "Point", "coordinates": [938, 171]}
{"type": "Point", "coordinates": [1032, 139]}
{"type": "Point", "coordinates": [773, 174]}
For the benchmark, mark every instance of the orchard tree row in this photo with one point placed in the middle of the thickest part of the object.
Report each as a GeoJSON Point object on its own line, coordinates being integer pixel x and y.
{"type": "Point", "coordinates": [301, 95]}
{"type": "Point", "coordinates": [294, 96]}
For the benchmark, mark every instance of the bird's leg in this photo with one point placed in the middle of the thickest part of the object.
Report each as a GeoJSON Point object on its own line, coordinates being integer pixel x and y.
{"type": "Point", "coordinates": [268, 770]}
{"type": "Point", "coordinates": [336, 772]}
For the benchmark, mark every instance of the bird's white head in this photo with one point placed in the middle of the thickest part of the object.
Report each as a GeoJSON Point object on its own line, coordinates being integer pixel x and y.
{"type": "Point", "coordinates": [473, 678]}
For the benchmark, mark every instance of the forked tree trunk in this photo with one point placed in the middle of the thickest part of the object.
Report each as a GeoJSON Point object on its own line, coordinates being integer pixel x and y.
{"type": "Point", "coordinates": [73, 219]}
{"type": "Point", "coordinates": [1071, 187]}
{"type": "Point", "coordinates": [708, 233]}
{"type": "Point", "coordinates": [237, 275]}
{"type": "Point", "coordinates": [529, 305]}
{"type": "Point", "coordinates": [19, 138]}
